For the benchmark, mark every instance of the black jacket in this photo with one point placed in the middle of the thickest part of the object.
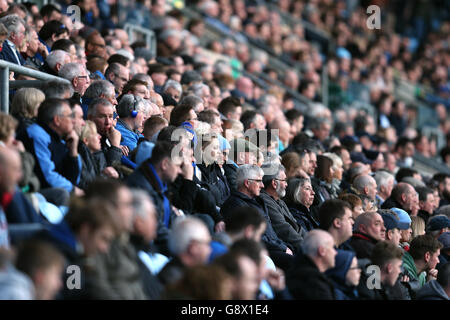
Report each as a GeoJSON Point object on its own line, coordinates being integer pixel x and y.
{"type": "Point", "coordinates": [112, 154]}
{"type": "Point", "coordinates": [230, 174]}
{"type": "Point", "coordinates": [303, 216]}
{"type": "Point", "coordinates": [283, 222]}
{"type": "Point", "coordinates": [306, 282]}
{"type": "Point", "coordinates": [362, 245]}
{"type": "Point", "coordinates": [214, 181]}
{"type": "Point", "coordinates": [238, 199]}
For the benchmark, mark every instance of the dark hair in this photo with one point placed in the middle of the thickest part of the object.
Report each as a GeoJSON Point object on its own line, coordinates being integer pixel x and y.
{"type": "Point", "coordinates": [180, 114]}
{"type": "Point", "coordinates": [155, 68]}
{"type": "Point", "coordinates": [443, 277]}
{"type": "Point", "coordinates": [241, 217]}
{"type": "Point", "coordinates": [402, 142]}
{"type": "Point", "coordinates": [403, 173]}
{"type": "Point", "coordinates": [63, 44]}
{"type": "Point", "coordinates": [385, 251]}
{"type": "Point", "coordinates": [228, 104]}
{"type": "Point", "coordinates": [161, 151]}
{"type": "Point", "coordinates": [247, 118]}
{"type": "Point", "coordinates": [399, 189]}
{"type": "Point", "coordinates": [250, 248]}
{"type": "Point", "coordinates": [106, 189]}
{"type": "Point", "coordinates": [208, 116]}
{"type": "Point", "coordinates": [423, 193]}
{"type": "Point", "coordinates": [323, 168]}
{"type": "Point", "coordinates": [330, 210]}
{"type": "Point", "coordinates": [445, 152]}
{"type": "Point", "coordinates": [351, 199]}
{"type": "Point", "coordinates": [49, 108]}
{"type": "Point", "coordinates": [36, 256]}
{"type": "Point", "coordinates": [47, 10]}
{"type": "Point", "coordinates": [53, 27]}
{"type": "Point", "coordinates": [292, 115]}
{"type": "Point", "coordinates": [118, 58]}
{"type": "Point", "coordinates": [423, 244]}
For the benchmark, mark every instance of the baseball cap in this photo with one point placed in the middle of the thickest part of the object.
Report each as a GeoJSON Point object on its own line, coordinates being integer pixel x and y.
{"type": "Point", "coordinates": [390, 221]}
{"type": "Point", "coordinates": [404, 219]}
{"type": "Point", "coordinates": [438, 223]}
{"type": "Point", "coordinates": [445, 240]}
{"type": "Point", "coordinates": [360, 157]}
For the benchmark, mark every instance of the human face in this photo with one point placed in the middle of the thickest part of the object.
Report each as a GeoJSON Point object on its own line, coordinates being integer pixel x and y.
{"type": "Point", "coordinates": [236, 115]}
{"type": "Point", "coordinates": [254, 185]}
{"type": "Point", "coordinates": [10, 172]}
{"type": "Point", "coordinates": [406, 235]}
{"type": "Point", "coordinates": [212, 152]}
{"type": "Point", "coordinates": [391, 163]}
{"type": "Point", "coordinates": [18, 37]}
{"type": "Point", "coordinates": [306, 194]}
{"type": "Point", "coordinates": [216, 127]}
{"type": "Point", "coordinates": [149, 222]}
{"type": "Point", "coordinates": [121, 78]}
{"type": "Point", "coordinates": [159, 78]}
{"type": "Point", "coordinates": [78, 121]}
{"type": "Point", "coordinates": [65, 121]}
{"type": "Point", "coordinates": [33, 43]}
{"type": "Point", "coordinates": [81, 82]}
{"type": "Point", "coordinates": [97, 241]}
{"type": "Point", "coordinates": [171, 169]}
{"type": "Point", "coordinates": [248, 283]}
{"type": "Point", "coordinates": [357, 210]}
{"type": "Point", "coordinates": [428, 204]}
{"type": "Point", "coordinates": [281, 184]}
{"type": "Point", "coordinates": [394, 272]}
{"type": "Point", "coordinates": [50, 282]}
{"type": "Point", "coordinates": [125, 208]}
{"type": "Point", "coordinates": [376, 228]}
{"type": "Point", "coordinates": [73, 53]}
{"type": "Point", "coordinates": [386, 190]}
{"type": "Point", "coordinates": [330, 253]}
{"type": "Point", "coordinates": [257, 234]}
{"type": "Point", "coordinates": [411, 197]}
{"type": "Point", "coordinates": [372, 189]}
{"type": "Point", "coordinates": [433, 260]}
{"type": "Point", "coordinates": [103, 119]}
{"type": "Point", "coordinates": [312, 163]}
{"type": "Point", "coordinates": [93, 141]}
{"type": "Point", "coordinates": [394, 236]}
{"type": "Point", "coordinates": [353, 274]}
{"type": "Point", "coordinates": [200, 248]}
{"type": "Point", "coordinates": [346, 160]}
{"type": "Point", "coordinates": [174, 93]}
{"type": "Point", "coordinates": [346, 223]}
{"type": "Point", "coordinates": [337, 173]}
{"type": "Point", "coordinates": [97, 46]}
{"type": "Point", "coordinates": [260, 122]}
{"type": "Point", "coordinates": [141, 91]}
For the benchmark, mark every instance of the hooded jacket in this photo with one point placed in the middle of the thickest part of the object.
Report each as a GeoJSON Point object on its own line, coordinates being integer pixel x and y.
{"type": "Point", "coordinates": [362, 244]}
{"type": "Point", "coordinates": [432, 291]}
{"type": "Point", "coordinates": [343, 262]}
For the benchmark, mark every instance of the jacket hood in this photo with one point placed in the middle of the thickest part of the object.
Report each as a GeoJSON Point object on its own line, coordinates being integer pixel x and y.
{"type": "Point", "coordinates": [343, 261]}
{"type": "Point", "coordinates": [432, 291]}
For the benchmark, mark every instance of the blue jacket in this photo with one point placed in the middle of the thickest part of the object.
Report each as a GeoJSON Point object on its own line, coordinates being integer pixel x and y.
{"type": "Point", "coordinates": [238, 199]}
{"type": "Point", "coordinates": [20, 210]}
{"type": "Point", "coordinates": [55, 168]}
{"type": "Point", "coordinates": [7, 54]}
{"type": "Point", "coordinates": [129, 138]}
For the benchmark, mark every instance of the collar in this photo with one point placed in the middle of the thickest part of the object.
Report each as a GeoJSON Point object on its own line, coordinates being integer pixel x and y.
{"type": "Point", "coordinates": [11, 44]}
{"type": "Point", "coordinates": [364, 236]}
{"type": "Point", "coordinates": [161, 185]}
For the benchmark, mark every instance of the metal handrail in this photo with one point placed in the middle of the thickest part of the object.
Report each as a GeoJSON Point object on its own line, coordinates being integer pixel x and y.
{"type": "Point", "coordinates": [149, 35]}
{"type": "Point", "coordinates": [6, 67]}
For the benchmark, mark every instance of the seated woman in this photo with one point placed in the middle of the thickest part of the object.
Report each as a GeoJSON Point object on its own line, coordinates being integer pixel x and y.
{"type": "Point", "coordinates": [299, 198]}
{"type": "Point", "coordinates": [355, 202]}
{"type": "Point", "coordinates": [296, 164]}
{"type": "Point", "coordinates": [321, 182]}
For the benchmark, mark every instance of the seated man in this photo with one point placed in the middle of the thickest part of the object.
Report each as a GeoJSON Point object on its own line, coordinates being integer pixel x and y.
{"type": "Point", "coordinates": [131, 118]}
{"type": "Point", "coordinates": [58, 164]}
{"type": "Point", "coordinates": [368, 230]}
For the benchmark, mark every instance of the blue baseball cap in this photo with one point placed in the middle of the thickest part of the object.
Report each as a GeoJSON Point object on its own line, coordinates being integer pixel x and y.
{"type": "Point", "coordinates": [404, 222]}
{"type": "Point", "coordinates": [390, 221]}
{"type": "Point", "coordinates": [438, 223]}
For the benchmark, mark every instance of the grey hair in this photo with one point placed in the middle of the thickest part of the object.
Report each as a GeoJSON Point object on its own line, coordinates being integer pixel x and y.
{"type": "Point", "coordinates": [337, 161]}
{"type": "Point", "coordinates": [128, 100]}
{"type": "Point", "coordinates": [247, 171]}
{"type": "Point", "coordinates": [12, 23]}
{"type": "Point", "coordinates": [92, 109]}
{"type": "Point", "coordinates": [98, 88]}
{"type": "Point", "coordinates": [272, 171]}
{"type": "Point", "coordinates": [314, 240]}
{"type": "Point", "coordinates": [183, 232]}
{"type": "Point", "coordinates": [197, 89]}
{"type": "Point", "coordinates": [317, 122]}
{"type": "Point", "coordinates": [56, 88]}
{"type": "Point", "coordinates": [140, 201]}
{"type": "Point", "coordinates": [71, 70]}
{"type": "Point", "coordinates": [56, 56]}
{"type": "Point", "coordinates": [364, 219]}
{"type": "Point", "coordinates": [172, 84]}
{"type": "Point", "coordinates": [382, 178]}
{"type": "Point", "coordinates": [293, 188]}
{"type": "Point", "coordinates": [361, 181]}
{"type": "Point", "coordinates": [191, 100]}
{"type": "Point", "coordinates": [444, 210]}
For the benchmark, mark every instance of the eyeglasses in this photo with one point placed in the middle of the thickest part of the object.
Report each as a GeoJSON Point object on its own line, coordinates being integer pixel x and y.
{"type": "Point", "coordinates": [70, 115]}
{"type": "Point", "coordinates": [83, 77]}
{"type": "Point", "coordinates": [256, 180]}
{"type": "Point", "coordinates": [282, 180]}
{"type": "Point", "coordinates": [354, 268]}
{"type": "Point", "coordinates": [98, 45]}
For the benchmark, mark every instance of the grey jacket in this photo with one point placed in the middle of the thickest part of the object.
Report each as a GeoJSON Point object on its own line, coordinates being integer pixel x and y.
{"type": "Point", "coordinates": [283, 222]}
{"type": "Point", "coordinates": [432, 291]}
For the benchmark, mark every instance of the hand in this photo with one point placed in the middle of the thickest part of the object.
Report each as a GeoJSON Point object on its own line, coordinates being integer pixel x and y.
{"type": "Point", "coordinates": [114, 136]}
{"type": "Point", "coordinates": [125, 150]}
{"type": "Point", "coordinates": [289, 251]}
{"type": "Point", "coordinates": [187, 170]}
{"type": "Point", "coordinates": [432, 274]}
{"type": "Point", "coordinates": [18, 145]}
{"type": "Point", "coordinates": [276, 279]}
{"type": "Point", "coordinates": [220, 227]}
{"type": "Point", "coordinates": [72, 143]}
{"type": "Point", "coordinates": [111, 172]}
{"type": "Point", "coordinates": [404, 279]}
{"type": "Point", "coordinates": [78, 192]}
{"type": "Point", "coordinates": [42, 50]}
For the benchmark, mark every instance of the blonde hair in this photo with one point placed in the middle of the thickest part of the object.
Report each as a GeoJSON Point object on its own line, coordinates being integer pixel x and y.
{"type": "Point", "coordinates": [88, 130]}
{"type": "Point", "coordinates": [337, 161]}
{"type": "Point", "coordinates": [417, 226]}
{"type": "Point", "coordinates": [7, 124]}
{"type": "Point", "coordinates": [26, 102]}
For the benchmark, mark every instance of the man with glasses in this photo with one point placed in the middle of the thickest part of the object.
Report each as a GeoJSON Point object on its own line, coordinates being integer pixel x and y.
{"type": "Point", "coordinates": [283, 222]}
{"type": "Point", "coordinates": [95, 45]}
{"type": "Point", "coordinates": [78, 77]}
{"type": "Point", "coordinates": [118, 75]}
{"type": "Point", "coordinates": [16, 29]}
{"type": "Point", "coordinates": [249, 183]}
{"type": "Point", "coordinates": [54, 143]}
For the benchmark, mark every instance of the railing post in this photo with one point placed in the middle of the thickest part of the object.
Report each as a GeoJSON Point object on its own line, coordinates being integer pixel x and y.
{"type": "Point", "coordinates": [4, 91]}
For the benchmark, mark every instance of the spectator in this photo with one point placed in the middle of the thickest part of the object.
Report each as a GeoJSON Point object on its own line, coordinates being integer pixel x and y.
{"type": "Point", "coordinates": [78, 76]}
{"type": "Point", "coordinates": [55, 61]}
{"type": "Point", "coordinates": [35, 52]}
{"type": "Point", "coordinates": [335, 216]}
{"type": "Point", "coordinates": [437, 225]}
{"type": "Point", "coordinates": [426, 203]}
{"type": "Point", "coordinates": [131, 118]}
{"type": "Point", "coordinates": [355, 203]}
{"type": "Point", "coordinates": [14, 285]}
{"type": "Point", "coordinates": [283, 222]}
{"type": "Point", "coordinates": [369, 230]}
{"type": "Point", "coordinates": [444, 188]}
{"type": "Point", "coordinates": [190, 244]}
{"type": "Point", "coordinates": [321, 182]}
{"type": "Point", "coordinates": [403, 196]}
{"type": "Point", "coordinates": [417, 226]}
{"type": "Point", "coordinates": [58, 163]}
{"type": "Point", "coordinates": [296, 164]}
{"type": "Point", "coordinates": [57, 89]}
{"type": "Point", "coordinates": [98, 89]}
{"type": "Point", "coordinates": [345, 275]}
{"type": "Point", "coordinates": [230, 108]}
{"type": "Point", "coordinates": [44, 265]}
{"type": "Point", "coordinates": [307, 279]}
{"type": "Point", "coordinates": [249, 184]}
{"type": "Point", "coordinates": [392, 226]}
{"type": "Point", "coordinates": [299, 199]}
{"type": "Point", "coordinates": [438, 289]}
{"type": "Point", "coordinates": [16, 34]}
{"type": "Point", "coordinates": [420, 262]}
{"type": "Point", "coordinates": [118, 75]}
{"type": "Point", "coordinates": [101, 112]}
{"type": "Point", "coordinates": [365, 185]}
{"type": "Point", "coordinates": [385, 184]}
{"type": "Point", "coordinates": [404, 150]}
{"type": "Point", "coordinates": [52, 31]}
{"type": "Point", "coordinates": [95, 45]}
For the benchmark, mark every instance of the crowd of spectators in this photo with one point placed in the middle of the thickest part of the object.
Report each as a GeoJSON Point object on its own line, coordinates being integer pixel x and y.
{"type": "Point", "coordinates": [178, 176]}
